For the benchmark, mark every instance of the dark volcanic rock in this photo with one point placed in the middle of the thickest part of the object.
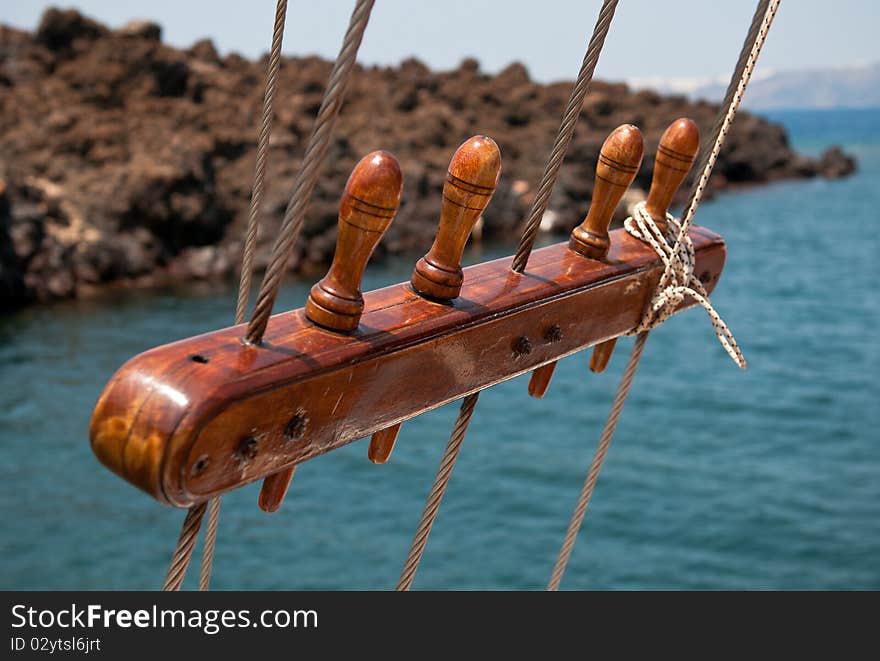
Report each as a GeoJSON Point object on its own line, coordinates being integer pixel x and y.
{"type": "Point", "coordinates": [59, 28]}
{"type": "Point", "coordinates": [11, 273]}
{"type": "Point", "coordinates": [834, 164]}
{"type": "Point", "coordinates": [122, 159]}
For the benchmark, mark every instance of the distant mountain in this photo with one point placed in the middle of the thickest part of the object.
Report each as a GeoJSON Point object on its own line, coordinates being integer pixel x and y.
{"type": "Point", "coordinates": [851, 87]}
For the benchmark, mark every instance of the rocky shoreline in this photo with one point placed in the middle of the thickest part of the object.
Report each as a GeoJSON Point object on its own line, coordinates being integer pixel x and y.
{"type": "Point", "coordinates": [126, 161]}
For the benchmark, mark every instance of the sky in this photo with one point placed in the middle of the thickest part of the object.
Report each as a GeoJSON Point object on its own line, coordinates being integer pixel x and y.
{"type": "Point", "coordinates": [649, 39]}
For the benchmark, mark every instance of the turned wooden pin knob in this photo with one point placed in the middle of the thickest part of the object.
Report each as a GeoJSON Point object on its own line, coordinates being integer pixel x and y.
{"type": "Point", "coordinates": [675, 155]}
{"type": "Point", "coordinates": [470, 182]}
{"type": "Point", "coordinates": [678, 148]}
{"type": "Point", "coordinates": [619, 161]}
{"type": "Point", "coordinates": [367, 207]}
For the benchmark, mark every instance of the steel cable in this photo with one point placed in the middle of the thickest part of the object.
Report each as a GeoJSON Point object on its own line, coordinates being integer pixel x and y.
{"type": "Point", "coordinates": [250, 245]}
{"type": "Point", "coordinates": [432, 506]}
{"type": "Point", "coordinates": [209, 544]}
{"type": "Point", "coordinates": [761, 22]}
{"type": "Point", "coordinates": [253, 226]}
{"type": "Point", "coordinates": [315, 153]}
{"type": "Point", "coordinates": [551, 172]}
{"type": "Point", "coordinates": [563, 136]}
{"type": "Point", "coordinates": [291, 226]}
{"type": "Point", "coordinates": [183, 550]}
{"type": "Point", "coordinates": [583, 500]}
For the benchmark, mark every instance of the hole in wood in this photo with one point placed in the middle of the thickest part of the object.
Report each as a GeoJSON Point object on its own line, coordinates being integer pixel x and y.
{"type": "Point", "coordinates": [522, 346]}
{"type": "Point", "coordinates": [553, 334]}
{"type": "Point", "coordinates": [294, 429]}
{"type": "Point", "coordinates": [200, 465]}
{"type": "Point", "coordinates": [247, 449]}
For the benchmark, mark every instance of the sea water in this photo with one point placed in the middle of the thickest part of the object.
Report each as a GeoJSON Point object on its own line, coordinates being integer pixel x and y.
{"type": "Point", "coordinates": [717, 478]}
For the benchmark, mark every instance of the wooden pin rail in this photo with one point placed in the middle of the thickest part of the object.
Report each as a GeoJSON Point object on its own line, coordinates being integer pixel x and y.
{"type": "Point", "coordinates": [200, 417]}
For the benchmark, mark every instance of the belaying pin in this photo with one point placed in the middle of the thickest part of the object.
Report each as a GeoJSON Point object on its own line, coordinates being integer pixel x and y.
{"type": "Point", "coordinates": [470, 183]}
{"type": "Point", "coordinates": [366, 209]}
{"type": "Point", "coordinates": [619, 160]}
{"type": "Point", "coordinates": [676, 153]}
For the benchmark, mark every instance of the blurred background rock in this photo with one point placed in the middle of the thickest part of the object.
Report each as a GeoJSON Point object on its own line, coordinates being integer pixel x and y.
{"type": "Point", "coordinates": [127, 161]}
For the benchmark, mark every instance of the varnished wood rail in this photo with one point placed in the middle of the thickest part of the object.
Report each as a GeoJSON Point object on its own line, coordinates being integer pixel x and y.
{"type": "Point", "coordinates": [202, 416]}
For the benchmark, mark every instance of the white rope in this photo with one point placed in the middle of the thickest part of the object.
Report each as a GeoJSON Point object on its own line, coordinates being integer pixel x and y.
{"type": "Point", "coordinates": [678, 280]}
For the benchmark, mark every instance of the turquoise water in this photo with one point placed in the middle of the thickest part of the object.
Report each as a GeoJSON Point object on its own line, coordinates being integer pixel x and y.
{"type": "Point", "coordinates": [717, 478]}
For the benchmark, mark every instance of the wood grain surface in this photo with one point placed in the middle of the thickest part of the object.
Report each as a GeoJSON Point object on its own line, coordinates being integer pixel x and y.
{"type": "Point", "coordinates": [202, 416]}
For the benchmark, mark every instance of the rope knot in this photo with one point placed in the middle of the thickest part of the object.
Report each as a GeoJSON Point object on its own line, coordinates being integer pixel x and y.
{"type": "Point", "coordinates": [676, 251]}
